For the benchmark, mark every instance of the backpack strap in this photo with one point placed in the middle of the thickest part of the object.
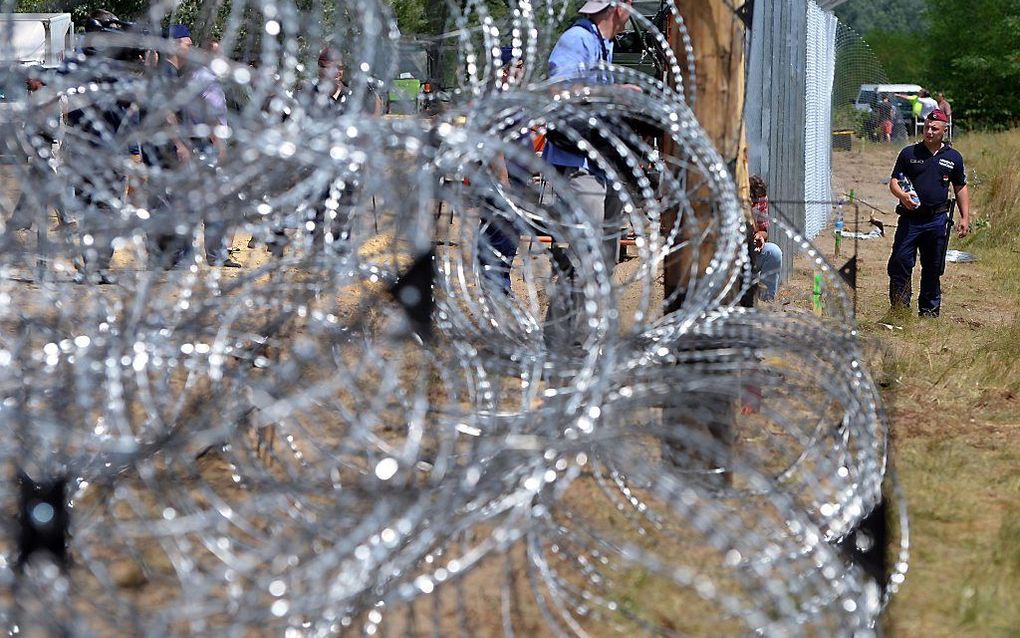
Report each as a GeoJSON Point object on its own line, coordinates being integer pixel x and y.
{"type": "Point", "coordinates": [592, 28]}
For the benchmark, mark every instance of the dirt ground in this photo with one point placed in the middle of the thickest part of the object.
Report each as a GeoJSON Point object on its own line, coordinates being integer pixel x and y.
{"type": "Point", "coordinates": [954, 437]}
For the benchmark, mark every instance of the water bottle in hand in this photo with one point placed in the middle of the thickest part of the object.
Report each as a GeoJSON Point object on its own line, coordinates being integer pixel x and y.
{"type": "Point", "coordinates": [908, 188]}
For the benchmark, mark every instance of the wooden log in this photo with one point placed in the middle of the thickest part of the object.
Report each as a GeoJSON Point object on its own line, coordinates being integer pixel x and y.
{"type": "Point", "coordinates": [717, 36]}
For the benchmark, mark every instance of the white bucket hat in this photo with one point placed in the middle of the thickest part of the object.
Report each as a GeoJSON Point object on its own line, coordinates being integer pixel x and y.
{"type": "Point", "coordinates": [594, 6]}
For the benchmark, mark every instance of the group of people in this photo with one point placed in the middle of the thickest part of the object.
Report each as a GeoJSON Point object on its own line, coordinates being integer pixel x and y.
{"type": "Point", "coordinates": [582, 48]}
{"type": "Point", "coordinates": [930, 167]}
{"type": "Point", "coordinates": [105, 122]}
{"type": "Point", "coordinates": [157, 169]}
{"type": "Point", "coordinates": [196, 144]}
{"type": "Point", "coordinates": [921, 106]}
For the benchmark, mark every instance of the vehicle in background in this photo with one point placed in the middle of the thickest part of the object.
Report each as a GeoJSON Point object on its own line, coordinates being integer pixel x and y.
{"type": "Point", "coordinates": [401, 95]}
{"type": "Point", "coordinates": [868, 98]}
{"type": "Point", "coordinates": [870, 94]}
{"type": "Point", "coordinates": [432, 100]}
{"type": "Point", "coordinates": [35, 38]}
{"type": "Point", "coordinates": [427, 77]}
{"type": "Point", "coordinates": [635, 48]}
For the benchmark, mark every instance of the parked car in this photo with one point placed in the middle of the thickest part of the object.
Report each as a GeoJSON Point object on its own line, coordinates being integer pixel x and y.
{"type": "Point", "coordinates": [634, 47]}
{"type": "Point", "coordinates": [870, 94]}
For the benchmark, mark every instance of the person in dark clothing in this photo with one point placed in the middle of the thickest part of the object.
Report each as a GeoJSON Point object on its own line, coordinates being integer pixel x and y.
{"type": "Point", "coordinates": [500, 233]}
{"type": "Point", "coordinates": [329, 97]}
{"type": "Point", "coordinates": [167, 247]}
{"type": "Point", "coordinates": [209, 111]}
{"type": "Point", "coordinates": [920, 181]}
{"type": "Point", "coordinates": [42, 132]}
{"type": "Point", "coordinates": [103, 123]}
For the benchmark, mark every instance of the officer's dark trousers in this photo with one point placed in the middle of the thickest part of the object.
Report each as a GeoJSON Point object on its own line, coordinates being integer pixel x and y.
{"type": "Point", "coordinates": [927, 237]}
{"type": "Point", "coordinates": [166, 247]}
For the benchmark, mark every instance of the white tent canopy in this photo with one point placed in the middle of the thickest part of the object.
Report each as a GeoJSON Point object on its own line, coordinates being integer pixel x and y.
{"type": "Point", "coordinates": [35, 38]}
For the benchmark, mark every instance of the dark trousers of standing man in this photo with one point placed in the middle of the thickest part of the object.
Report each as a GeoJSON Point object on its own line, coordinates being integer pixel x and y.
{"type": "Point", "coordinates": [928, 237]}
{"type": "Point", "coordinates": [217, 228]}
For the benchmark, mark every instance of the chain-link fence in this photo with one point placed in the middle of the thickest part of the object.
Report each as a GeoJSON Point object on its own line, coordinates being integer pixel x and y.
{"type": "Point", "coordinates": [820, 38]}
{"type": "Point", "coordinates": [859, 85]}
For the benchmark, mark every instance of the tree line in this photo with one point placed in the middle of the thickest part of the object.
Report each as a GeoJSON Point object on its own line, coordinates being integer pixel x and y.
{"type": "Point", "coordinates": [416, 17]}
{"type": "Point", "coordinates": [970, 50]}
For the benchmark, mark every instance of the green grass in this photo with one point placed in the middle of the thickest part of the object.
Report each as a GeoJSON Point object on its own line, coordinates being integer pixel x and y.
{"type": "Point", "coordinates": [994, 168]}
{"type": "Point", "coordinates": [954, 400]}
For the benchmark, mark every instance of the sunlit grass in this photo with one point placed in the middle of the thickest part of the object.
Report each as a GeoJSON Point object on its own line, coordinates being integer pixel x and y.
{"type": "Point", "coordinates": [954, 396]}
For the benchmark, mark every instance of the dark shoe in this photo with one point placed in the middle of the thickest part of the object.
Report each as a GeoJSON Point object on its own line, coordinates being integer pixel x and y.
{"type": "Point", "coordinates": [100, 278]}
{"type": "Point", "coordinates": [165, 264]}
{"type": "Point", "coordinates": [231, 263]}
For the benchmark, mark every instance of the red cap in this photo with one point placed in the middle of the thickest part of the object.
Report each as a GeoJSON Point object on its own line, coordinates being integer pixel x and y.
{"type": "Point", "coordinates": [939, 116]}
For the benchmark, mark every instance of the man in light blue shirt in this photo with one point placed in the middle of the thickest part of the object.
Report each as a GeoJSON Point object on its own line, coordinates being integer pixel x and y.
{"type": "Point", "coordinates": [575, 60]}
{"type": "Point", "coordinates": [579, 51]}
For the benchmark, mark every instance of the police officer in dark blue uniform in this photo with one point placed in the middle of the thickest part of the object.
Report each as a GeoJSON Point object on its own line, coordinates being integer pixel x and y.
{"type": "Point", "coordinates": [925, 221]}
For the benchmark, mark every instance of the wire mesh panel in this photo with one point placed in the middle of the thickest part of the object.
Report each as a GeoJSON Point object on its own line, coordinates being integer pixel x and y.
{"type": "Point", "coordinates": [821, 53]}
{"type": "Point", "coordinates": [857, 90]}
{"type": "Point", "coordinates": [776, 106]}
{"type": "Point", "coordinates": [799, 67]}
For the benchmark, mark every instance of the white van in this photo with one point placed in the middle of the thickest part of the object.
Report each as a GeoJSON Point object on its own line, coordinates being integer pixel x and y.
{"type": "Point", "coordinates": [870, 94]}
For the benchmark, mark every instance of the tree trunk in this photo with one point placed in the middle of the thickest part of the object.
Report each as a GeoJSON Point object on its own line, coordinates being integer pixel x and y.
{"type": "Point", "coordinates": [717, 36]}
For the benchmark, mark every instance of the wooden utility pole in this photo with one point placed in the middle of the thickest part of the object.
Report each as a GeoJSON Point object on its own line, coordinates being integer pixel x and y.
{"type": "Point", "coordinates": [717, 36]}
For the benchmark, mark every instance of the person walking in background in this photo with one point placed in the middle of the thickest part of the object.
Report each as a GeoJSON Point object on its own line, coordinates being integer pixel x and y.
{"type": "Point", "coordinates": [921, 105]}
{"type": "Point", "coordinates": [574, 60]}
{"type": "Point", "coordinates": [928, 104]}
{"type": "Point", "coordinates": [332, 96]}
{"type": "Point", "coordinates": [166, 246]}
{"type": "Point", "coordinates": [582, 48]}
{"type": "Point", "coordinates": [101, 124]}
{"type": "Point", "coordinates": [33, 205]}
{"type": "Point", "coordinates": [209, 113]}
{"type": "Point", "coordinates": [885, 117]}
{"type": "Point", "coordinates": [499, 232]}
{"type": "Point", "coordinates": [920, 181]}
{"type": "Point", "coordinates": [945, 107]}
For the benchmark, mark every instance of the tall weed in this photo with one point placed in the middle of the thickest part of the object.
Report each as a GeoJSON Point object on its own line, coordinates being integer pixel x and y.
{"type": "Point", "coordinates": [993, 161]}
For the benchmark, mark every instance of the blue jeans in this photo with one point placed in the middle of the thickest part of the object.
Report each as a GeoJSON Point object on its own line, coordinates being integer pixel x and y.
{"type": "Point", "coordinates": [770, 266]}
{"type": "Point", "coordinates": [927, 237]}
{"type": "Point", "coordinates": [217, 230]}
{"type": "Point", "coordinates": [497, 247]}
